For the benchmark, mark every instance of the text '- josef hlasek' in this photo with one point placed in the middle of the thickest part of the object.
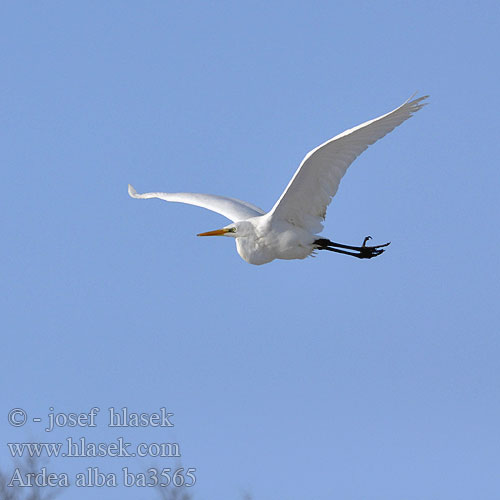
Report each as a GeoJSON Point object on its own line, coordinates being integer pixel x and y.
{"type": "Point", "coordinates": [115, 418]}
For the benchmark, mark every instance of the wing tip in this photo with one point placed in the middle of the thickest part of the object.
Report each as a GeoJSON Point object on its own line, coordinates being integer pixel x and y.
{"type": "Point", "coordinates": [416, 104]}
{"type": "Point", "coordinates": [132, 192]}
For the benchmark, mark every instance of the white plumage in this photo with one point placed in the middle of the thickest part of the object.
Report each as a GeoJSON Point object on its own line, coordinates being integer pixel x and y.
{"type": "Point", "coordinates": [289, 230]}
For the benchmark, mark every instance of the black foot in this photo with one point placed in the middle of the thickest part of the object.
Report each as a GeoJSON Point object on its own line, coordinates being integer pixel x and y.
{"type": "Point", "coordinates": [369, 252]}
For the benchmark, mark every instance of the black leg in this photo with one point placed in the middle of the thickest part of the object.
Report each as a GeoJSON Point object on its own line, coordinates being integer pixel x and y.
{"type": "Point", "coordinates": [336, 250]}
{"type": "Point", "coordinates": [363, 252]}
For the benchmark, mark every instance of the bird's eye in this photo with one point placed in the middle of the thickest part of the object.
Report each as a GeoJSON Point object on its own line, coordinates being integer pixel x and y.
{"type": "Point", "coordinates": [233, 230]}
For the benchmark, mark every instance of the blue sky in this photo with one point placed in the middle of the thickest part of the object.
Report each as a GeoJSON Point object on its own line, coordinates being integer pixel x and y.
{"type": "Point", "coordinates": [317, 379]}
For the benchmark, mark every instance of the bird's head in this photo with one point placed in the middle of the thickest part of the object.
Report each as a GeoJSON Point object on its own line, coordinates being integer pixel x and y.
{"type": "Point", "coordinates": [236, 230]}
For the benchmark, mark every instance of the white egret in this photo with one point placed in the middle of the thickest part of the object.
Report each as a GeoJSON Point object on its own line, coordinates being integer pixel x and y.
{"type": "Point", "coordinates": [289, 230]}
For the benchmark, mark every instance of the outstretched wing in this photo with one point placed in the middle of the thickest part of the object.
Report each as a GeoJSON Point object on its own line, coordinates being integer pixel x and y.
{"type": "Point", "coordinates": [231, 208]}
{"type": "Point", "coordinates": [308, 194]}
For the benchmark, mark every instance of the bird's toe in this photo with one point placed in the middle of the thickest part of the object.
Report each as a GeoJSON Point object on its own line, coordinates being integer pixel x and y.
{"type": "Point", "coordinates": [365, 240]}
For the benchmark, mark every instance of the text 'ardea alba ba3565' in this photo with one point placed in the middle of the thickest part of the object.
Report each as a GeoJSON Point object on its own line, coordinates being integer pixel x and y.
{"type": "Point", "coordinates": [289, 230]}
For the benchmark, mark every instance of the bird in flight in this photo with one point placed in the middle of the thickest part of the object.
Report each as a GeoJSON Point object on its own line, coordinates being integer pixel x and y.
{"type": "Point", "coordinates": [289, 230]}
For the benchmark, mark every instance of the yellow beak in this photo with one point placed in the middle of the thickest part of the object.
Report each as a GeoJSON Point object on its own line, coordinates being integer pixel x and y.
{"type": "Point", "coordinates": [217, 232]}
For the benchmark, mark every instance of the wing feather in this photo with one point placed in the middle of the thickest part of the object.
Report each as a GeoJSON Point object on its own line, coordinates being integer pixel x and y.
{"type": "Point", "coordinates": [311, 189]}
{"type": "Point", "coordinates": [231, 208]}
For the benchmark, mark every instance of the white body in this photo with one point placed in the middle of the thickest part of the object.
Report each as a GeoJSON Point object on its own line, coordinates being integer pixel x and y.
{"type": "Point", "coordinates": [271, 238]}
{"type": "Point", "coordinates": [289, 229]}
